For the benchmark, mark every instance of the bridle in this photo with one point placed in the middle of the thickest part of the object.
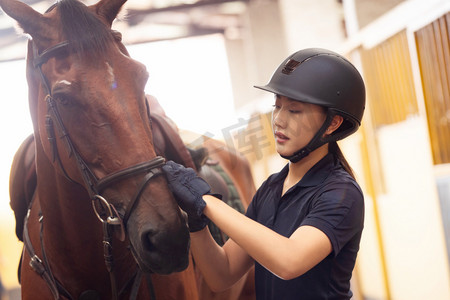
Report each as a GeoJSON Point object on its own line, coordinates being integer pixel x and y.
{"type": "Point", "coordinates": [95, 186]}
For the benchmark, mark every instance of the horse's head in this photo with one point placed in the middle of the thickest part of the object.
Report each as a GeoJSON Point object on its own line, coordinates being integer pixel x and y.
{"type": "Point", "coordinates": [91, 122]}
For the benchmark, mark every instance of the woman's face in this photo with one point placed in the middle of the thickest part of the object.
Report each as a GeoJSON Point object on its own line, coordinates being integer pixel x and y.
{"type": "Point", "coordinates": [294, 124]}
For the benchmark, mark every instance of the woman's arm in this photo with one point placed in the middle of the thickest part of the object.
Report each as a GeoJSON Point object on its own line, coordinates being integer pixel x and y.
{"type": "Point", "coordinates": [285, 257]}
{"type": "Point", "coordinates": [221, 266]}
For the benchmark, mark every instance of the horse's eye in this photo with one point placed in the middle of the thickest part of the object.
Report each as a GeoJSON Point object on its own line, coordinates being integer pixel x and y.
{"type": "Point", "coordinates": [63, 99]}
{"type": "Point", "coordinates": [117, 35]}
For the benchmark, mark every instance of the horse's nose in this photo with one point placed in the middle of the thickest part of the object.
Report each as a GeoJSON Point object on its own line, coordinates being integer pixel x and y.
{"type": "Point", "coordinates": [164, 241]}
{"type": "Point", "coordinates": [167, 247]}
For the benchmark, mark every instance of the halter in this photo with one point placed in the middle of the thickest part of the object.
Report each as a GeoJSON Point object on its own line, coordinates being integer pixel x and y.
{"type": "Point", "coordinates": [93, 184]}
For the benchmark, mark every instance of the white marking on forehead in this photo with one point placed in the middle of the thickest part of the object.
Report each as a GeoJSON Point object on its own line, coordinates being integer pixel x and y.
{"type": "Point", "coordinates": [112, 78]}
{"type": "Point", "coordinates": [110, 71]}
{"type": "Point", "coordinates": [65, 82]}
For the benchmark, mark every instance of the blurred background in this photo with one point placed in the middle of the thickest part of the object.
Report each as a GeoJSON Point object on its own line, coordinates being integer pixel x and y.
{"type": "Point", "coordinates": [204, 56]}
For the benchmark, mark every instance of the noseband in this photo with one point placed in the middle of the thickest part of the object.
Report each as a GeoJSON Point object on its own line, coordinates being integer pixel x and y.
{"type": "Point", "coordinates": [93, 184]}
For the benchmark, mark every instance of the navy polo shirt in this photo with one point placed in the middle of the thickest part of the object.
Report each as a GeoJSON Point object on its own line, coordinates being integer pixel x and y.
{"type": "Point", "coordinates": [327, 198]}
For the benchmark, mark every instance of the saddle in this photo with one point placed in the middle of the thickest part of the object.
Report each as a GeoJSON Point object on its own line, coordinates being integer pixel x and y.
{"type": "Point", "coordinates": [22, 182]}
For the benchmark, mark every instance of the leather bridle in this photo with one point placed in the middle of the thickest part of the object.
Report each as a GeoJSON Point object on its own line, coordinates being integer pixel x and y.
{"type": "Point", "coordinates": [95, 186]}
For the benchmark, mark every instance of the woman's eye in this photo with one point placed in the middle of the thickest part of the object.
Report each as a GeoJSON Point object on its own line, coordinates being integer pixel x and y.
{"type": "Point", "coordinates": [294, 111]}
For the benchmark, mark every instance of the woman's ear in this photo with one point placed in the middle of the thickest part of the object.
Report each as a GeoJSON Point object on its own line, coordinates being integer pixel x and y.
{"type": "Point", "coordinates": [335, 123]}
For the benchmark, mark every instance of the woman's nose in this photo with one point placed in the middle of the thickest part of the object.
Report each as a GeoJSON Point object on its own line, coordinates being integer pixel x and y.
{"type": "Point", "coordinates": [278, 119]}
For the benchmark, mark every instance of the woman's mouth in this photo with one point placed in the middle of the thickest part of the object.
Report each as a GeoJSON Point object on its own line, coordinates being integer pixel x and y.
{"type": "Point", "coordinates": [280, 137]}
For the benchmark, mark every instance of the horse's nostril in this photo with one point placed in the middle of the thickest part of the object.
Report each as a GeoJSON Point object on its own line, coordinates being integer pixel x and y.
{"type": "Point", "coordinates": [147, 243]}
{"type": "Point", "coordinates": [159, 250]}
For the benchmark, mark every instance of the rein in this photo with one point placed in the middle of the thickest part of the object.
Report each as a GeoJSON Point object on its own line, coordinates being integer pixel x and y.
{"type": "Point", "coordinates": [94, 185]}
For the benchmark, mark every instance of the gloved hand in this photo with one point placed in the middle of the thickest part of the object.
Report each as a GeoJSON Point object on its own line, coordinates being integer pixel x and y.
{"type": "Point", "coordinates": [188, 190]}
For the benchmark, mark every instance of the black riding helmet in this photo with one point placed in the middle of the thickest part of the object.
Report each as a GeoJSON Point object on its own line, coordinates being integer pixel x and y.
{"type": "Point", "coordinates": [322, 77]}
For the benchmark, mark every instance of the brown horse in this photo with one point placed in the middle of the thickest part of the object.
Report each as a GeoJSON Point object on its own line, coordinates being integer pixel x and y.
{"type": "Point", "coordinates": [235, 177]}
{"type": "Point", "coordinates": [189, 283]}
{"type": "Point", "coordinates": [101, 217]}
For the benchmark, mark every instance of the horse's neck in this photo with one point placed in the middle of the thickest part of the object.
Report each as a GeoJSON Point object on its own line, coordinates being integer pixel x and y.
{"type": "Point", "coordinates": [168, 142]}
{"type": "Point", "coordinates": [72, 234]}
{"type": "Point", "coordinates": [67, 215]}
{"type": "Point", "coordinates": [67, 212]}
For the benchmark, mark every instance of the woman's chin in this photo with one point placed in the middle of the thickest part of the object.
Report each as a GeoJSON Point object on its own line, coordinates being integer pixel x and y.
{"type": "Point", "coordinates": [283, 152]}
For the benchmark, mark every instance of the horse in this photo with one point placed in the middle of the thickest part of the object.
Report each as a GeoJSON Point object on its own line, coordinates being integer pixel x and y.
{"type": "Point", "coordinates": [102, 217]}
{"type": "Point", "coordinates": [234, 183]}
{"type": "Point", "coordinates": [70, 261]}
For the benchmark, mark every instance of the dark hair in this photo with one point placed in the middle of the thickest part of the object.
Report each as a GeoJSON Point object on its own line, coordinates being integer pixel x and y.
{"type": "Point", "coordinates": [333, 148]}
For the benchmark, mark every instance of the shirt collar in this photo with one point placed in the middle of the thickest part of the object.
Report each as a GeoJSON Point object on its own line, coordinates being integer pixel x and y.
{"type": "Point", "coordinates": [316, 175]}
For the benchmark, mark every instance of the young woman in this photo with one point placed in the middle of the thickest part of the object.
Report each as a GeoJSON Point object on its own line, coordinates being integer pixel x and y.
{"type": "Point", "coordinates": [303, 227]}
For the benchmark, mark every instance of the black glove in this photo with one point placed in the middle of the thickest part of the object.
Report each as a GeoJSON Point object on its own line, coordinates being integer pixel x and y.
{"type": "Point", "coordinates": [188, 190]}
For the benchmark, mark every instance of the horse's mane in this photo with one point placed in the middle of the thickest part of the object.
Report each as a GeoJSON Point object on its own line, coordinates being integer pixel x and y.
{"type": "Point", "coordinates": [85, 31]}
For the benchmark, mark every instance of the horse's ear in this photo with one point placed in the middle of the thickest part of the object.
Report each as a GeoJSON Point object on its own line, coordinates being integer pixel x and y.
{"type": "Point", "coordinates": [109, 9]}
{"type": "Point", "coordinates": [31, 21]}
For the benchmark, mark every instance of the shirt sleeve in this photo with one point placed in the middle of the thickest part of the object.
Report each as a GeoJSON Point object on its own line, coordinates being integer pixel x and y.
{"type": "Point", "coordinates": [339, 213]}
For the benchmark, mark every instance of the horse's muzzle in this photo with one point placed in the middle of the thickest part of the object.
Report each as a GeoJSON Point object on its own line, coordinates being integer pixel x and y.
{"type": "Point", "coordinates": [161, 251]}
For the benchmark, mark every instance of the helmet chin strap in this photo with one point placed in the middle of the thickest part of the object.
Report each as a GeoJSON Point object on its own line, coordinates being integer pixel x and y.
{"type": "Point", "coordinates": [317, 141]}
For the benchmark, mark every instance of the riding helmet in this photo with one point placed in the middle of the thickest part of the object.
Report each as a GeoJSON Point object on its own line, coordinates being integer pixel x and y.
{"type": "Point", "coordinates": [324, 78]}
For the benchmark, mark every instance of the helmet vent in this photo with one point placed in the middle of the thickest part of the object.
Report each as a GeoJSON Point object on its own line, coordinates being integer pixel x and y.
{"type": "Point", "coordinates": [290, 66]}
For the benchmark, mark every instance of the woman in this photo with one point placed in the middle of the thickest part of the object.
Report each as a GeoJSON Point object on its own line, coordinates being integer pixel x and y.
{"type": "Point", "coordinates": [303, 227]}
